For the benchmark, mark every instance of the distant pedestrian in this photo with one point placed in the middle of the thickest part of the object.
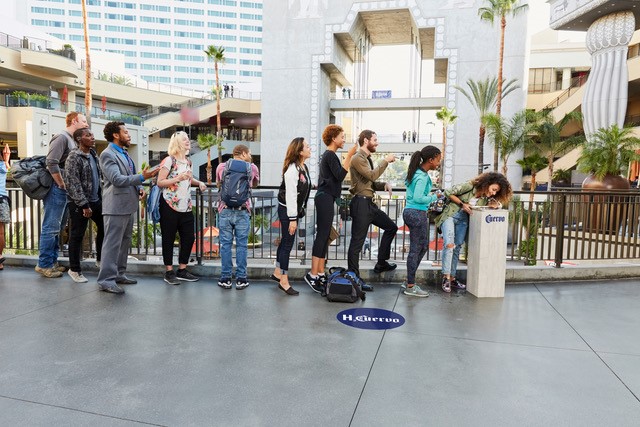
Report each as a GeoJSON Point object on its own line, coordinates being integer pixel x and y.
{"type": "Point", "coordinates": [83, 180]}
{"type": "Point", "coordinates": [292, 203]}
{"type": "Point", "coordinates": [349, 93]}
{"type": "Point", "coordinates": [231, 88]}
{"type": "Point", "coordinates": [226, 91]}
{"type": "Point", "coordinates": [413, 136]}
{"type": "Point", "coordinates": [404, 136]}
{"type": "Point", "coordinates": [344, 92]}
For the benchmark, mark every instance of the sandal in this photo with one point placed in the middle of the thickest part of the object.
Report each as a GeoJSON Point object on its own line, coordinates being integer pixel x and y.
{"type": "Point", "coordinates": [446, 285]}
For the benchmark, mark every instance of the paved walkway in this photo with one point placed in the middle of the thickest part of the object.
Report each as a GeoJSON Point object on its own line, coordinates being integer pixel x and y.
{"type": "Point", "coordinates": [547, 354]}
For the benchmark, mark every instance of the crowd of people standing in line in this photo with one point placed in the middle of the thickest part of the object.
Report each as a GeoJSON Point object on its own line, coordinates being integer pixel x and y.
{"type": "Point", "coordinates": [107, 189]}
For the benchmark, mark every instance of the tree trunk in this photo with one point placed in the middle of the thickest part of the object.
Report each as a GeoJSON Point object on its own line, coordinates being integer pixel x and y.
{"type": "Point", "coordinates": [481, 150]}
{"type": "Point", "coordinates": [504, 166]}
{"type": "Point", "coordinates": [550, 167]}
{"type": "Point", "coordinates": [444, 149]}
{"type": "Point", "coordinates": [218, 123]}
{"type": "Point", "coordinates": [87, 77]}
{"type": "Point", "coordinates": [503, 24]}
{"type": "Point", "coordinates": [209, 174]}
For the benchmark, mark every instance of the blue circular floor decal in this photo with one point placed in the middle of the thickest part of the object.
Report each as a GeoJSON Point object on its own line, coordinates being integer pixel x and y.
{"type": "Point", "coordinates": [370, 318]}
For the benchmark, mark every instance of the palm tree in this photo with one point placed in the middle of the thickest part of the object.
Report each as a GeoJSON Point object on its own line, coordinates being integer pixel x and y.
{"type": "Point", "coordinates": [547, 136]}
{"type": "Point", "coordinates": [609, 152]}
{"type": "Point", "coordinates": [87, 76]}
{"type": "Point", "coordinates": [483, 95]}
{"type": "Point", "coordinates": [447, 117]}
{"type": "Point", "coordinates": [510, 136]}
{"type": "Point", "coordinates": [495, 9]}
{"type": "Point", "coordinates": [216, 54]}
{"type": "Point", "coordinates": [205, 142]}
{"type": "Point", "coordinates": [535, 163]}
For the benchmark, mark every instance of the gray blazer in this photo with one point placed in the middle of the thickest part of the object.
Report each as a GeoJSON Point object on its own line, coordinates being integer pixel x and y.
{"type": "Point", "coordinates": [120, 189]}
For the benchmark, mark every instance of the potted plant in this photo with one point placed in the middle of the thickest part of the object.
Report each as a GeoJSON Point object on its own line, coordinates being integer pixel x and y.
{"type": "Point", "coordinates": [258, 222]}
{"type": "Point", "coordinates": [605, 156]}
{"type": "Point", "coordinates": [19, 98]}
{"type": "Point", "coordinates": [67, 50]}
{"type": "Point", "coordinates": [562, 178]}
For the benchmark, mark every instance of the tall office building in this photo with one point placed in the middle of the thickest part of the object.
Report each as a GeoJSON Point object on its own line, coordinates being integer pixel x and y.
{"type": "Point", "coordinates": [162, 41]}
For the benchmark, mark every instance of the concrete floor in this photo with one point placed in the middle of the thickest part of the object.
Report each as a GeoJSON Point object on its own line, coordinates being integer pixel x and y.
{"type": "Point", "coordinates": [547, 354]}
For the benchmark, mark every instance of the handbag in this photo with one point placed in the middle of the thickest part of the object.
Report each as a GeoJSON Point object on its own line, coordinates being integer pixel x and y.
{"type": "Point", "coordinates": [438, 205]}
{"type": "Point", "coordinates": [333, 234]}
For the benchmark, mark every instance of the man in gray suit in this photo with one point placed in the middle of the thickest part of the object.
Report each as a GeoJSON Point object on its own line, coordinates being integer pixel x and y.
{"type": "Point", "coordinates": [120, 194]}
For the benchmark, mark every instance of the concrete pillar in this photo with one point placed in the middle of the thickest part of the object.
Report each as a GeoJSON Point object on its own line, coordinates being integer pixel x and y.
{"type": "Point", "coordinates": [487, 253]}
{"type": "Point", "coordinates": [566, 78]}
{"type": "Point", "coordinates": [606, 94]}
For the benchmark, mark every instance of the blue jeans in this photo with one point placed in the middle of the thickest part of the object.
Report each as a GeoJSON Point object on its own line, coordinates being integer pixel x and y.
{"type": "Point", "coordinates": [55, 203]}
{"type": "Point", "coordinates": [230, 223]}
{"type": "Point", "coordinates": [454, 231]}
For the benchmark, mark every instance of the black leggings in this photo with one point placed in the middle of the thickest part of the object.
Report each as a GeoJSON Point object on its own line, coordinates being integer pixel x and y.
{"type": "Point", "coordinates": [324, 219]}
{"type": "Point", "coordinates": [79, 227]}
{"type": "Point", "coordinates": [171, 222]}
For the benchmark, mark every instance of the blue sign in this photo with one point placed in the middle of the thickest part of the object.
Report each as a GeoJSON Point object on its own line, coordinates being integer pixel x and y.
{"type": "Point", "coordinates": [370, 318]}
{"type": "Point", "coordinates": [381, 94]}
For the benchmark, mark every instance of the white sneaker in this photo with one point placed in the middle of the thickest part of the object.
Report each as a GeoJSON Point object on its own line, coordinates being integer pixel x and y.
{"type": "Point", "coordinates": [77, 277]}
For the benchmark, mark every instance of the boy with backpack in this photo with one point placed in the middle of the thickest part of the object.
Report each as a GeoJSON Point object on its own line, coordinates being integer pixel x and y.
{"type": "Point", "coordinates": [237, 176]}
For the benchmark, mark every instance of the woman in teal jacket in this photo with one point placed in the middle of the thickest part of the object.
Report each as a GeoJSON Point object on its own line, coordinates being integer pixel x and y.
{"type": "Point", "coordinates": [415, 214]}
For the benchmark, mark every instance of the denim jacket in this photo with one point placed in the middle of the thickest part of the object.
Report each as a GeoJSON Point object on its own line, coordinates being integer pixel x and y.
{"type": "Point", "coordinates": [78, 178]}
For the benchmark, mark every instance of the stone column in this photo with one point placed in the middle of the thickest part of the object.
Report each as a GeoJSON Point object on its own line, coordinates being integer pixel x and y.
{"type": "Point", "coordinates": [605, 98]}
{"type": "Point", "coordinates": [566, 78]}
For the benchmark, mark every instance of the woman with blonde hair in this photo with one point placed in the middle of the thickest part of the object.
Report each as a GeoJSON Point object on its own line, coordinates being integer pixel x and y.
{"type": "Point", "coordinates": [292, 203]}
{"type": "Point", "coordinates": [176, 178]}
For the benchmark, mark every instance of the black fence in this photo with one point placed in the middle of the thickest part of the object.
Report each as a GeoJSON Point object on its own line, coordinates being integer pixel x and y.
{"type": "Point", "coordinates": [550, 227]}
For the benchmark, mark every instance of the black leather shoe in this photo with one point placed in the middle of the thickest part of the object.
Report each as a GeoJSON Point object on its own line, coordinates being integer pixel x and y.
{"type": "Point", "coordinates": [386, 266]}
{"type": "Point", "coordinates": [367, 287]}
{"type": "Point", "coordinates": [115, 289]}
{"type": "Point", "coordinates": [274, 278]}
{"type": "Point", "coordinates": [289, 291]}
{"type": "Point", "coordinates": [126, 281]}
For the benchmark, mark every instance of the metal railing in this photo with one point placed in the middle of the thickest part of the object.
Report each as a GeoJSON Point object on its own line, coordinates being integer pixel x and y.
{"type": "Point", "coordinates": [576, 83]}
{"type": "Point", "coordinates": [57, 105]}
{"type": "Point", "coordinates": [552, 227]}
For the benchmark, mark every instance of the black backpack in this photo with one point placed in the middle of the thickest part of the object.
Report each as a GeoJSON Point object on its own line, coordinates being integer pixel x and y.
{"type": "Point", "coordinates": [32, 176]}
{"type": "Point", "coordinates": [344, 286]}
{"type": "Point", "coordinates": [236, 183]}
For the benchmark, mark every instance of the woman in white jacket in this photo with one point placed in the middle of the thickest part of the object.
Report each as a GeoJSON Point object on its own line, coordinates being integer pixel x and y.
{"type": "Point", "coordinates": [292, 202]}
